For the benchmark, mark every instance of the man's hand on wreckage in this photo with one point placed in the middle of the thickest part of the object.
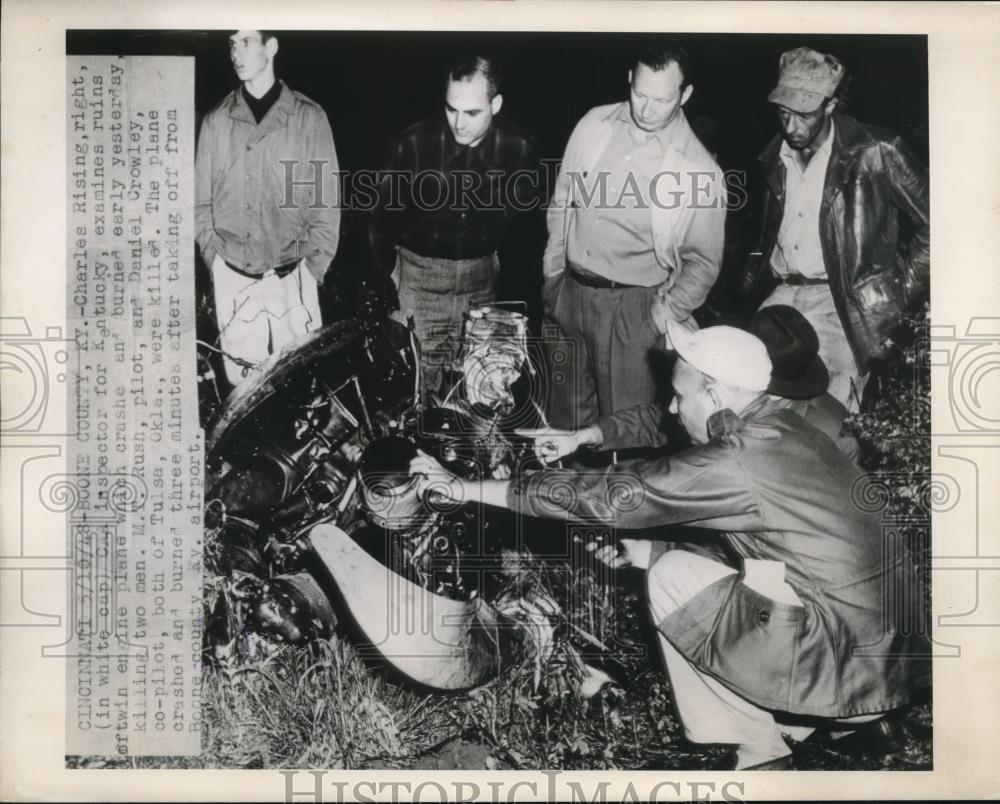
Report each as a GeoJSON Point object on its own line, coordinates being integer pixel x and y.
{"type": "Point", "coordinates": [435, 480]}
{"type": "Point", "coordinates": [550, 445]}
{"type": "Point", "coordinates": [623, 553]}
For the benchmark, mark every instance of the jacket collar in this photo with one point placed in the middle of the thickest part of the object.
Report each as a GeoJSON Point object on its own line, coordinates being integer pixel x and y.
{"type": "Point", "coordinates": [848, 136]}
{"type": "Point", "coordinates": [276, 116]}
{"type": "Point", "coordinates": [723, 422]}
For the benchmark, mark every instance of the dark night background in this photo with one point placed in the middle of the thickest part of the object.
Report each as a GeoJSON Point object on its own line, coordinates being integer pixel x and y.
{"type": "Point", "coordinates": [373, 84]}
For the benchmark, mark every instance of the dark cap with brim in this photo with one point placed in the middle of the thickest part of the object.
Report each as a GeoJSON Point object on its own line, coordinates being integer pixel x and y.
{"type": "Point", "coordinates": [797, 370]}
{"type": "Point", "coordinates": [811, 382]}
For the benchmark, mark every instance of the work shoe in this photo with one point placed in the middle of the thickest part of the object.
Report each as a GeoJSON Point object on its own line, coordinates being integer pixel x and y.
{"type": "Point", "coordinates": [884, 736]}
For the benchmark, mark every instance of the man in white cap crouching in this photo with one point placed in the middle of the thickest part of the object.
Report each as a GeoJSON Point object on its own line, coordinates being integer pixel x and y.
{"type": "Point", "coordinates": [816, 622]}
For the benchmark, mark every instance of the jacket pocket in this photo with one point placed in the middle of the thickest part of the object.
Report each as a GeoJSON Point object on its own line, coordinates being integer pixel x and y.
{"type": "Point", "coordinates": [882, 290]}
{"type": "Point", "coordinates": [754, 645]}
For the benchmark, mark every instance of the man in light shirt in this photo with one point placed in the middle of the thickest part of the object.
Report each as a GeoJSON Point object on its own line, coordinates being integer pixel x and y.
{"type": "Point", "coordinates": [840, 195]}
{"type": "Point", "coordinates": [638, 209]}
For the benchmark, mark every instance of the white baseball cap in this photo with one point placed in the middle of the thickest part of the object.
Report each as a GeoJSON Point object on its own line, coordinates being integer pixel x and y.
{"type": "Point", "coordinates": [727, 354]}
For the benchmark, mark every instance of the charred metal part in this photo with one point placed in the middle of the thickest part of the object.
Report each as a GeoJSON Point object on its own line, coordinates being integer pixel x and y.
{"type": "Point", "coordinates": [293, 609]}
{"type": "Point", "coordinates": [239, 548]}
{"type": "Point", "coordinates": [464, 441]}
{"type": "Point", "coordinates": [389, 491]}
{"type": "Point", "coordinates": [494, 351]}
{"type": "Point", "coordinates": [309, 482]}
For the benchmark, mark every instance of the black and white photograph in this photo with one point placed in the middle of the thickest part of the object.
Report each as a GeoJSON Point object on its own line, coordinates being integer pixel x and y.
{"type": "Point", "coordinates": [448, 398]}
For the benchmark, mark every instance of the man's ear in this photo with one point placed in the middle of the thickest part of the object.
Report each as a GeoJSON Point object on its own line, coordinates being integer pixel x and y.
{"type": "Point", "coordinates": [715, 396]}
{"type": "Point", "coordinates": [831, 105]}
{"type": "Point", "coordinates": [630, 78]}
{"type": "Point", "coordinates": [271, 47]}
{"type": "Point", "coordinates": [686, 93]}
{"type": "Point", "coordinates": [496, 103]}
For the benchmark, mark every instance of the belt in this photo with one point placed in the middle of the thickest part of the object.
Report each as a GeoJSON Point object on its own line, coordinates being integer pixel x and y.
{"type": "Point", "coordinates": [281, 270]}
{"type": "Point", "coordinates": [799, 279]}
{"type": "Point", "coordinates": [449, 257]}
{"type": "Point", "coordinates": [590, 280]}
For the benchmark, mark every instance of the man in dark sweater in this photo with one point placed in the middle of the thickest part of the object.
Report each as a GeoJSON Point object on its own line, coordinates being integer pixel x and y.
{"type": "Point", "coordinates": [450, 187]}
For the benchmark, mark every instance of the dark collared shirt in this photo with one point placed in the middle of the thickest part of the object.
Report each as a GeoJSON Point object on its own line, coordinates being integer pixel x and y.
{"type": "Point", "coordinates": [260, 106]}
{"type": "Point", "coordinates": [445, 200]}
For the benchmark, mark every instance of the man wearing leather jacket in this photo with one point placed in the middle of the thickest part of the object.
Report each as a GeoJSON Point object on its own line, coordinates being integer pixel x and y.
{"type": "Point", "coordinates": [808, 629]}
{"type": "Point", "coordinates": [846, 232]}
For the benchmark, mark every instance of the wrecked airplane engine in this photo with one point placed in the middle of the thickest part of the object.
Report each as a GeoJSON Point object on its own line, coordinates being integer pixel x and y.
{"type": "Point", "coordinates": [312, 518]}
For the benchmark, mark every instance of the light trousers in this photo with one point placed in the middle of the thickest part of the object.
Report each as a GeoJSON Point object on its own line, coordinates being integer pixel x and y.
{"type": "Point", "coordinates": [709, 711]}
{"type": "Point", "coordinates": [259, 316]}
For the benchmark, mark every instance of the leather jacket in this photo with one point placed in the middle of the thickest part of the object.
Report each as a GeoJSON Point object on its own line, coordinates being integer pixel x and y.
{"type": "Point", "coordinates": [640, 426]}
{"type": "Point", "coordinates": [874, 187]}
{"type": "Point", "coordinates": [778, 490]}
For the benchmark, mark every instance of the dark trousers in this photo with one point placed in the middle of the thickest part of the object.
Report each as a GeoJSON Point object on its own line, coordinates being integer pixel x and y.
{"type": "Point", "coordinates": [601, 351]}
{"type": "Point", "coordinates": [437, 293]}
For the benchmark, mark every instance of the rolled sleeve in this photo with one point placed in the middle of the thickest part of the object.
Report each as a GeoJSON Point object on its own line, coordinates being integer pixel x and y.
{"type": "Point", "coordinates": [700, 252]}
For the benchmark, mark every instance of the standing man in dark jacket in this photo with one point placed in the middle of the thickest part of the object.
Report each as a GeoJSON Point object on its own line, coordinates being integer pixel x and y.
{"type": "Point", "coordinates": [814, 621]}
{"type": "Point", "coordinates": [451, 184]}
{"type": "Point", "coordinates": [267, 248]}
{"type": "Point", "coordinates": [846, 233]}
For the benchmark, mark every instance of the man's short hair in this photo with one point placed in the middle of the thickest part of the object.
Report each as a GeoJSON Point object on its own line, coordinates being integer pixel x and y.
{"type": "Point", "coordinates": [657, 54]}
{"type": "Point", "coordinates": [465, 68]}
{"type": "Point", "coordinates": [264, 35]}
